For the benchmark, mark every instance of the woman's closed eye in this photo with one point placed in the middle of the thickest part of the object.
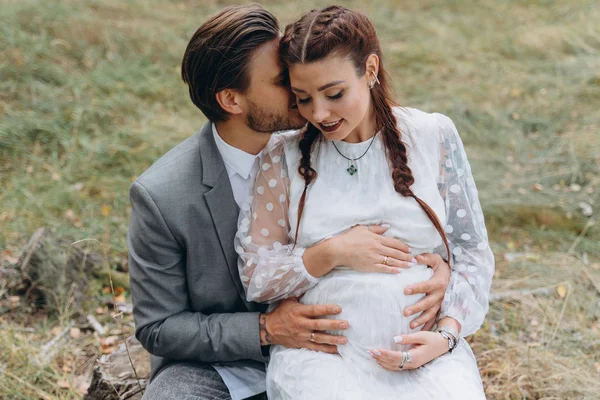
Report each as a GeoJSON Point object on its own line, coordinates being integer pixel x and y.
{"type": "Point", "coordinates": [333, 97]}
{"type": "Point", "coordinates": [336, 96]}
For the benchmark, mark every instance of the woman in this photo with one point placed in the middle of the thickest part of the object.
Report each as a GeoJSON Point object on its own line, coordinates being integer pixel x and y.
{"type": "Point", "coordinates": [362, 161]}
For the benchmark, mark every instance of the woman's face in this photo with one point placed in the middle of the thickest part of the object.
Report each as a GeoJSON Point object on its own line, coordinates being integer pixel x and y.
{"type": "Point", "coordinates": [333, 98]}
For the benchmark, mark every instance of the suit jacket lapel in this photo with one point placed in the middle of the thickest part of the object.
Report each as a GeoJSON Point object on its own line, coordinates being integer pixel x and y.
{"type": "Point", "coordinates": [221, 203]}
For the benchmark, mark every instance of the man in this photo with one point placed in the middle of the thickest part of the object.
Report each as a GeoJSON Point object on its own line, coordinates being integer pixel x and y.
{"type": "Point", "coordinates": [191, 314]}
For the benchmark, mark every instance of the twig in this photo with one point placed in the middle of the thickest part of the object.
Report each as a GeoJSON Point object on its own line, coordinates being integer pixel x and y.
{"type": "Point", "coordinates": [591, 278]}
{"type": "Point", "coordinates": [562, 312]}
{"type": "Point", "coordinates": [128, 395]}
{"type": "Point", "coordinates": [587, 226]}
{"type": "Point", "coordinates": [21, 329]}
{"type": "Point", "coordinates": [544, 291]}
{"type": "Point", "coordinates": [33, 242]}
{"type": "Point", "coordinates": [96, 325]}
{"type": "Point", "coordinates": [48, 349]}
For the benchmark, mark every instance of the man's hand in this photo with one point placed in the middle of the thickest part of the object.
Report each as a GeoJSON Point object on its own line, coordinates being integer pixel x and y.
{"type": "Point", "coordinates": [434, 290]}
{"type": "Point", "coordinates": [296, 325]}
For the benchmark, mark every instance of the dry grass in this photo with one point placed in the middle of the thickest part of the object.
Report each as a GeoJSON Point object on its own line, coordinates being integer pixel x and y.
{"type": "Point", "coordinates": [90, 96]}
{"type": "Point", "coordinates": [545, 346]}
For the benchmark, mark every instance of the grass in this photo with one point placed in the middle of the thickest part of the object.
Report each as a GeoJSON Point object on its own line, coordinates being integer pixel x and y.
{"type": "Point", "coordinates": [90, 96]}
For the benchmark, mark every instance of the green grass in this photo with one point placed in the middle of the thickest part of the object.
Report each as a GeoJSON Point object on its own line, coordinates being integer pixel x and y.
{"type": "Point", "coordinates": [90, 96]}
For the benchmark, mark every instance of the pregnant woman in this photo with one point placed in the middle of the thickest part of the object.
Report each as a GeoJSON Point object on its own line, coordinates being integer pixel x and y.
{"type": "Point", "coordinates": [361, 160]}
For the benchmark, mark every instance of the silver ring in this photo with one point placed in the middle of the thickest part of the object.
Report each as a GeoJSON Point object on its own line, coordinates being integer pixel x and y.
{"type": "Point", "coordinates": [406, 357]}
{"type": "Point", "coordinates": [312, 337]}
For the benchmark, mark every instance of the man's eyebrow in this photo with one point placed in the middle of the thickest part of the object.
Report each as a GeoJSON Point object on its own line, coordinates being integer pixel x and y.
{"type": "Point", "coordinates": [327, 86]}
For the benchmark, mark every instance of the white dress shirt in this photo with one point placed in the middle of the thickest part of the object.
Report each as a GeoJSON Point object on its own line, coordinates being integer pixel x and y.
{"type": "Point", "coordinates": [244, 378]}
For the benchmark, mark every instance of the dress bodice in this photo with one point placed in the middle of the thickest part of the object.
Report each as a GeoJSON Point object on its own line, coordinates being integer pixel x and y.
{"type": "Point", "coordinates": [337, 200]}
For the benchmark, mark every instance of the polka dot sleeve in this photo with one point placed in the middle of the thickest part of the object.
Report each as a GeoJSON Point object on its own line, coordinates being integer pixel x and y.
{"type": "Point", "coordinates": [270, 267]}
{"type": "Point", "coordinates": [467, 296]}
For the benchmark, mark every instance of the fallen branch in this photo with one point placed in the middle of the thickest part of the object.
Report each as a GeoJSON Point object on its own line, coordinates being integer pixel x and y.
{"type": "Point", "coordinates": [511, 294]}
{"type": "Point", "coordinates": [49, 349]}
{"type": "Point", "coordinates": [96, 325]}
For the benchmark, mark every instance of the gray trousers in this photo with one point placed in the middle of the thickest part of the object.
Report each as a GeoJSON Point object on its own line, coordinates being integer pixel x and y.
{"type": "Point", "coordinates": [187, 381]}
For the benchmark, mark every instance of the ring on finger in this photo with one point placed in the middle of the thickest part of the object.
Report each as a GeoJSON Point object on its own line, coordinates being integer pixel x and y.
{"type": "Point", "coordinates": [406, 358]}
{"type": "Point", "coordinates": [385, 260]}
{"type": "Point", "coordinates": [312, 337]}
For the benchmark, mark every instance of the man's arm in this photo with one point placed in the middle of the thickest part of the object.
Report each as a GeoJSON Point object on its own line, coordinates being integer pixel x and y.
{"type": "Point", "coordinates": [165, 324]}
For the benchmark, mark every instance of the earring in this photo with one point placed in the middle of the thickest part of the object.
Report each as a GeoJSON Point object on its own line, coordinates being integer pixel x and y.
{"type": "Point", "coordinates": [376, 79]}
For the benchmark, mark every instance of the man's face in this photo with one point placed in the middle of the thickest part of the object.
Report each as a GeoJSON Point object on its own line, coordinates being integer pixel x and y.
{"type": "Point", "coordinates": [270, 105]}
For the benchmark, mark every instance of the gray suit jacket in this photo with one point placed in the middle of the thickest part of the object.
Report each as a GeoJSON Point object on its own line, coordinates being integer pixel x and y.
{"type": "Point", "coordinates": [188, 301]}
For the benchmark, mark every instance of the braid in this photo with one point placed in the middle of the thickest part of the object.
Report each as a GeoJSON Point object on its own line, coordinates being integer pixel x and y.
{"type": "Point", "coordinates": [310, 27]}
{"type": "Point", "coordinates": [308, 173]}
{"type": "Point", "coordinates": [396, 151]}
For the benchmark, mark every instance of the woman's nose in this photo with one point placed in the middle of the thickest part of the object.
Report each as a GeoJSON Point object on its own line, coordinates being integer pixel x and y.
{"type": "Point", "coordinates": [320, 114]}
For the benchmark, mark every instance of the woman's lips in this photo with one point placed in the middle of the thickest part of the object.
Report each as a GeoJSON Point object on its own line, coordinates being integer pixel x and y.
{"type": "Point", "coordinates": [332, 128]}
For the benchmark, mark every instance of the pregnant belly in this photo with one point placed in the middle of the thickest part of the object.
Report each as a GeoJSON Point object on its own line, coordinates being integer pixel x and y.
{"type": "Point", "coordinates": [373, 305]}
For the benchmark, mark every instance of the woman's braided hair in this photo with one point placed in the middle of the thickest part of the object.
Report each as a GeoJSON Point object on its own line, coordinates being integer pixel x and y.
{"type": "Point", "coordinates": [335, 30]}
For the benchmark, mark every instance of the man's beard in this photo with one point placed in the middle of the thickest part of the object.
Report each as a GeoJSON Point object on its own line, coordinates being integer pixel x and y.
{"type": "Point", "coordinates": [268, 121]}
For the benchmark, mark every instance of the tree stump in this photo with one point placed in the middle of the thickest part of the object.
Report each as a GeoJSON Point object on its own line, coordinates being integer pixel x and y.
{"type": "Point", "coordinates": [54, 273]}
{"type": "Point", "coordinates": [114, 377]}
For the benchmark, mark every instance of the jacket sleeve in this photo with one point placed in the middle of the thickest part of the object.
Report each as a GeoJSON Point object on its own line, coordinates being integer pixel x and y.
{"type": "Point", "coordinates": [165, 324]}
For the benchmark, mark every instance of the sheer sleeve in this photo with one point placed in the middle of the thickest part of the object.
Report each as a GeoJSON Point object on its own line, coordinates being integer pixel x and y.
{"type": "Point", "coordinates": [467, 296]}
{"type": "Point", "coordinates": [270, 267]}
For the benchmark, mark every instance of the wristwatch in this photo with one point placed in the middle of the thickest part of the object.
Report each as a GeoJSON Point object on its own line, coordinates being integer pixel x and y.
{"type": "Point", "coordinates": [451, 335]}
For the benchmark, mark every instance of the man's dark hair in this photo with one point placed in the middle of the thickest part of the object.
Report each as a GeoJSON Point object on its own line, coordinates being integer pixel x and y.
{"type": "Point", "coordinates": [219, 54]}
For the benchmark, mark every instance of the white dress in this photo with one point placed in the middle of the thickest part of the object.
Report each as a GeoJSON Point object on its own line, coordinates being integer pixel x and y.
{"type": "Point", "coordinates": [271, 268]}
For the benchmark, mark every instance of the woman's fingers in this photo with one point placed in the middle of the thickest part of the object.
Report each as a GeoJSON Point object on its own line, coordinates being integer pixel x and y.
{"type": "Point", "coordinates": [391, 360]}
{"type": "Point", "coordinates": [392, 262]}
{"type": "Point", "coordinates": [378, 229]}
{"type": "Point", "coordinates": [386, 269]}
{"type": "Point", "coordinates": [395, 244]}
{"type": "Point", "coordinates": [413, 338]}
{"type": "Point", "coordinates": [396, 254]}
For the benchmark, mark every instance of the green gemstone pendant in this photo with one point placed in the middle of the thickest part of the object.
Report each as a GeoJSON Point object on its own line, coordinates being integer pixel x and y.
{"type": "Point", "coordinates": [352, 169]}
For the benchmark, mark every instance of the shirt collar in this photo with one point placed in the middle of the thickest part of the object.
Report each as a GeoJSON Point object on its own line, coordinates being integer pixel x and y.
{"type": "Point", "coordinates": [237, 160]}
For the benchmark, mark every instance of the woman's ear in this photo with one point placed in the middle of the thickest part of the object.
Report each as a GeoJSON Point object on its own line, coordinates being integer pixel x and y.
{"type": "Point", "coordinates": [372, 66]}
{"type": "Point", "coordinates": [230, 101]}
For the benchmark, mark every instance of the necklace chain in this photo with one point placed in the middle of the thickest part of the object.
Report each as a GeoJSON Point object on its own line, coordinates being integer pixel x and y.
{"type": "Point", "coordinates": [352, 169]}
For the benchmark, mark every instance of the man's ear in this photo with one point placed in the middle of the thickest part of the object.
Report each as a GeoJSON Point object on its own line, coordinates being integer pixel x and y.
{"type": "Point", "coordinates": [372, 65]}
{"type": "Point", "coordinates": [230, 101]}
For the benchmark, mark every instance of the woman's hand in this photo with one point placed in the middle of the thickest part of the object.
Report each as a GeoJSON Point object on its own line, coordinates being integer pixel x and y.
{"type": "Point", "coordinates": [364, 249]}
{"type": "Point", "coordinates": [427, 346]}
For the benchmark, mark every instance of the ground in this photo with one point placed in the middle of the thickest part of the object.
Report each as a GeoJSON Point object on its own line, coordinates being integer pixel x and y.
{"type": "Point", "coordinates": [91, 95]}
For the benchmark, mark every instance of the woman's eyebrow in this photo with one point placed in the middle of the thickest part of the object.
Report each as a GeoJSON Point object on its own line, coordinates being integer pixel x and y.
{"type": "Point", "coordinates": [327, 86]}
